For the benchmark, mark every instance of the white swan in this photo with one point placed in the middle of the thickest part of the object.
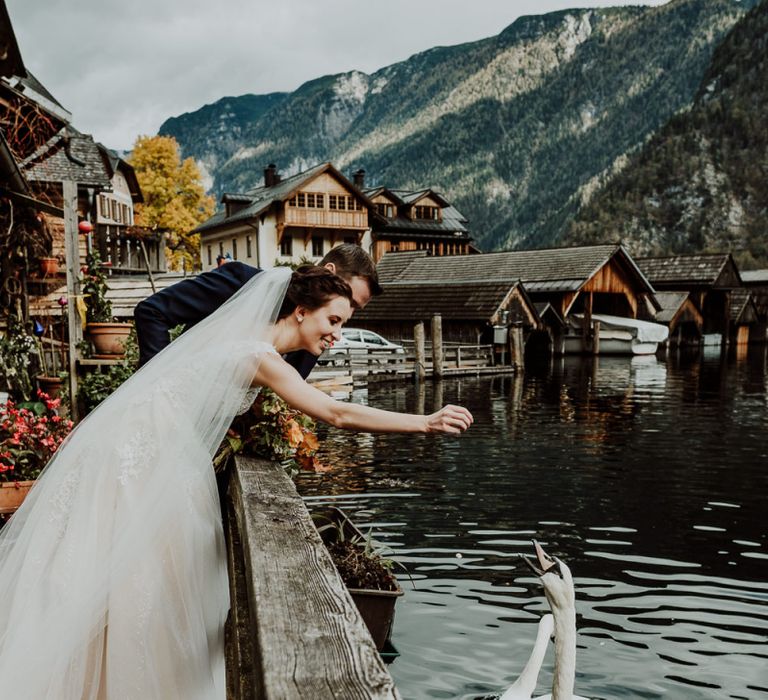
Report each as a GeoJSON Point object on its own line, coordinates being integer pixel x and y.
{"type": "Point", "coordinates": [523, 687]}
{"type": "Point", "coordinates": [558, 587]}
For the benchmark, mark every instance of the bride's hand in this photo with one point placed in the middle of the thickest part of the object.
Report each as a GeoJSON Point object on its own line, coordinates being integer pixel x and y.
{"type": "Point", "coordinates": [449, 419]}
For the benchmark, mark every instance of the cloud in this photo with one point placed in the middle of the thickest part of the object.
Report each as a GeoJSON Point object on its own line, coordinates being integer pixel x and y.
{"type": "Point", "coordinates": [123, 68]}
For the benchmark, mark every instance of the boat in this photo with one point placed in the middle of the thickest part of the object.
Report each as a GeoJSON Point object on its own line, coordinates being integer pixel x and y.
{"type": "Point", "coordinates": [618, 335]}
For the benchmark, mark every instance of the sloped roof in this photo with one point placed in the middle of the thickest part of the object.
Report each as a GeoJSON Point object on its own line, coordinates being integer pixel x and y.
{"type": "Point", "coordinates": [548, 270]}
{"type": "Point", "coordinates": [756, 277]}
{"type": "Point", "coordinates": [51, 162]}
{"type": "Point", "coordinates": [742, 307]}
{"type": "Point", "coordinates": [261, 198]}
{"type": "Point", "coordinates": [704, 269]}
{"type": "Point", "coordinates": [113, 163]}
{"type": "Point", "coordinates": [670, 303]}
{"type": "Point", "coordinates": [452, 223]}
{"type": "Point", "coordinates": [467, 301]}
{"type": "Point", "coordinates": [392, 265]}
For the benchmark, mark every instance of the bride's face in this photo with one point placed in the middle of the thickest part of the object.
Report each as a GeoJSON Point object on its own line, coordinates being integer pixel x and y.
{"type": "Point", "coordinates": [320, 328]}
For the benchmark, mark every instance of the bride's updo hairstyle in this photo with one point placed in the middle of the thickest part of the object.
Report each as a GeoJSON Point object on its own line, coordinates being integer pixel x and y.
{"type": "Point", "coordinates": [312, 287]}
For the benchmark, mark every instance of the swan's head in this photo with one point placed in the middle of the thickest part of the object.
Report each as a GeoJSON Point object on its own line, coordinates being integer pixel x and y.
{"type": "Point", "coordinates": [555, 577]}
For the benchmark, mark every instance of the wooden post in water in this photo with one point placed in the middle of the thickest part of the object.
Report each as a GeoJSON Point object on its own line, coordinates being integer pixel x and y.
{"type": "Point", "coordinates": [437, 345]}
{"type": "Point", "coordinates": [596, 337]}
{"type": "Point", "coordinates": [419, 368]}
{"type": "Point", "coordinates": [72, 255]}
{"type": "Point", "coordinates": [517, 347]}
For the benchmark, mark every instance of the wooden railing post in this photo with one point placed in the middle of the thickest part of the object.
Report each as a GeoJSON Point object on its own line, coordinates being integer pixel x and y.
{"type": "Point", "coordinates": [419, 368]}
{"type": "Point", "coordinates": [437, 345]}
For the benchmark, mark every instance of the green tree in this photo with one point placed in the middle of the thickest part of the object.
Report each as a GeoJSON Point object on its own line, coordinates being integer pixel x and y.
{"type": "Point", "coordinates": [174, 197]}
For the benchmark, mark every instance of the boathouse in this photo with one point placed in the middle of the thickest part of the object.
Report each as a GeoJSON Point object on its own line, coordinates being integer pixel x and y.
{"type": "Point", "coordinates": [744, 322]}
{"type": "Point", "coordinates": [681, 314]}
{"type": "Point", "coordinates": [469, 310]}
{"type": "Point", "coordinates": [710, 280]}
{"type": "Point", "coordinates": [577, 282]}
{"type": "Point", "coordinates": [757, 283]}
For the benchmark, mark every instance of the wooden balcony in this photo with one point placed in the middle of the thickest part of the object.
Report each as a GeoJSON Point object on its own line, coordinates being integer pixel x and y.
{"type": "Point", "coordinates": [326, 218]}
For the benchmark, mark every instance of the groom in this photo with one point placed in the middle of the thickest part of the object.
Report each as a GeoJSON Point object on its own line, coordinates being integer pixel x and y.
{"type": "Point", "coordinates": [191, 300]}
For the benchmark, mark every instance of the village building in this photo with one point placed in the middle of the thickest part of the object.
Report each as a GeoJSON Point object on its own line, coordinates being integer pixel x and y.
{"type": "Point", "coordinates": [757, 283]}
{"type": "Point", "coordinates": [710, 280]}
{"type": "Point", "coordinates": [681, 315]}
{"type": "Point", "coordinates": [409, 220]}
{"type": "Point", "coordinates": [286, 221]}
{"type": "Point", "coordinates": [577, 283]}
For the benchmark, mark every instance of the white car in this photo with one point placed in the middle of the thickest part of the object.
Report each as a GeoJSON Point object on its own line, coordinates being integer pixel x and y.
{"type": "Point", "coordinates": [358, 339]}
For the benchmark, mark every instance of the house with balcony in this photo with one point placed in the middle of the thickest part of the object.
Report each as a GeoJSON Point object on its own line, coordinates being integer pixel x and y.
{"type": "Point", "coordinates": [287, 221]}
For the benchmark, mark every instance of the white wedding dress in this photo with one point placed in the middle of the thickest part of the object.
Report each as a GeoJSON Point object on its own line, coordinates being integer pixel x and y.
{"type": "Point", "coordinates": [113, 581]}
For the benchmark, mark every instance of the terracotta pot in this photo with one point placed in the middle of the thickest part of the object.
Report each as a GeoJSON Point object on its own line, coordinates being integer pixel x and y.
{"type": "Point", "coordinates": [12, 494]}
{"type": "Point", "coordinates": [50, 385]}
{"type": "Point", "coordinates": [108, 338]}
{"type": "Point", "coordinates": [49, 267]}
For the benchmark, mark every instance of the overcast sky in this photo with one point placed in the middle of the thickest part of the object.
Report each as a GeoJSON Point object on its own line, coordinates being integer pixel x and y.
{"type": "Point", "coordinates": [124, 66]}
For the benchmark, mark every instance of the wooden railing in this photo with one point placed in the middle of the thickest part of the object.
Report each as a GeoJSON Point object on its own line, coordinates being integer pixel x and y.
{"type": "Point", "coordinates": [293, 631]}
{"type": "Point", "coordinates": [454, 355]}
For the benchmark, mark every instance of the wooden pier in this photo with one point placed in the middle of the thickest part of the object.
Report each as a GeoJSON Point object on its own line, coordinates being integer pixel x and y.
{"type": "Point", "coordinates": [293, 631]}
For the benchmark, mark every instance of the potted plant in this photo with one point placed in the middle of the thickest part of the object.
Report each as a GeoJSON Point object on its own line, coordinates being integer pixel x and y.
{"type": "Point", "coordinates": [49, 266]}
{"type": "Point", "coordinates": [107, 335]}
{"type": "Point", "coordinates": [366, 573]}
{"type": "Point", "coordinates": [271, 429]}
{"type": "Point", "coordinates": [29, 435]}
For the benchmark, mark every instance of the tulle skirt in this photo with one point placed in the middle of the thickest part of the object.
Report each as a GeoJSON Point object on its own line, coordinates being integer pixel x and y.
{"type": "Point", "coordinates": [113, 578]}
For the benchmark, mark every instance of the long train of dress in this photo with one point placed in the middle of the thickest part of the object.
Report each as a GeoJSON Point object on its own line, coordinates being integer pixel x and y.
{"type": "Point", "coordinates": [113, 578]}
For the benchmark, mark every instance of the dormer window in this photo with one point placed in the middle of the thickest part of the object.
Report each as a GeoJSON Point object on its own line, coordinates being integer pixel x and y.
{"type": "Point", "coordinates": [427, 213]}
{"type": "Point", "coordinates": [385, 209]}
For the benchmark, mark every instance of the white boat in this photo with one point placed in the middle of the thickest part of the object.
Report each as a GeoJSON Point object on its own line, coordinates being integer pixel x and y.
{"type": "Point", "coordinates": [618, 335]}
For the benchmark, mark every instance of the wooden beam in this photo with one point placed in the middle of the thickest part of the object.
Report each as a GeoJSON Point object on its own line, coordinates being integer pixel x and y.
{"type": "Point", "coordinates": [72, 255]}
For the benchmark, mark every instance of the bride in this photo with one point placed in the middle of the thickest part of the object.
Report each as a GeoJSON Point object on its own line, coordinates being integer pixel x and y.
{"type": "Point", "coordinates": [113, 580]}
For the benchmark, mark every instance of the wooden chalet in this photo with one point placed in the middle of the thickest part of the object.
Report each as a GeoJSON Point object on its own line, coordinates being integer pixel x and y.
{"type": "Point", "coordinates": [128, 248]}
{"type": "Point", "coordinates": [585, 280]}
{"type": "Point", "coordinates": [408, 220]}
{"type": "Point", "coordinates": [710, 280]}
{"type": "Point", "coordinates": [469, 310]}
{"type": "Point", "coordinates": [681, 314]}
{"type": "Point", "coordinates": [286, 220]}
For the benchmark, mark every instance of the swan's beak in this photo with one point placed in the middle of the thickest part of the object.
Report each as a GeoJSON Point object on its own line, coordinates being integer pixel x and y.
{"type": "Point", "coordinates": [543, 563]}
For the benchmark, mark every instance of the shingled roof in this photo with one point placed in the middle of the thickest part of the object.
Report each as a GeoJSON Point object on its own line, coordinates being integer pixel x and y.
{"type": "Point", "coordinates": [702, 270]}
{"type": "Point", "coordinates": [463, 301]}
{"type": "Point", "coordinates": [67, 156]}
{"type": "Point", "coordinates": [670, 303]}
{"type": "Point", "coordinates": [261, 198]}
{"type": "Point", "coordinates": [742, 307]}
{"type": "Point", "coordinates": [548, 270]}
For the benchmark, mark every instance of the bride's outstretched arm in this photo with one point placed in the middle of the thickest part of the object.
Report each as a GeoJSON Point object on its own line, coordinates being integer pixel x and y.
{"type": "Point", "coordinates": [283, 379]}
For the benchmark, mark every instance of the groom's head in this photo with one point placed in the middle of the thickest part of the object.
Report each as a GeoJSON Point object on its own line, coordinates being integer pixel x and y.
{"type": "Point", "coordinates": [357, 269]}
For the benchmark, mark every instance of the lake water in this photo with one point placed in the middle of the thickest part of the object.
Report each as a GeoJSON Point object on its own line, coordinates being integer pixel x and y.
{"type": "Point", "coordinates": [647, 477]}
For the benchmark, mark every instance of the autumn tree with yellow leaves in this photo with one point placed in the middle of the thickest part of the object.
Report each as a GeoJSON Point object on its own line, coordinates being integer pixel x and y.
{"type": "Point", "coordinates": [174, 198]}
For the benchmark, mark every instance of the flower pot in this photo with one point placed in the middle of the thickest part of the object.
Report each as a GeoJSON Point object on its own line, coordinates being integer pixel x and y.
{"type": "Point", "coordinates": [12, 494]}
{"type": "Point", "coordinates": [50, 385]}
{"type": "Point", "coordinates": [49, 266]}
{"type": "Point", "coordinates": [108, 338]}
{"type": "Point", "coordinates": [376, 607]}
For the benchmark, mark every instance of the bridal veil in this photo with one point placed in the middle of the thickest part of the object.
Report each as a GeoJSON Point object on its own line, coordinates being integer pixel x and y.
{"type": "Point", "coordinates": [113, 578]}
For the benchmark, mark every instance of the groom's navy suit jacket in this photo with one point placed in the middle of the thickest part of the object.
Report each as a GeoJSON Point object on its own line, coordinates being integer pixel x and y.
{"type": "Point", "coordinates": [190, 301]}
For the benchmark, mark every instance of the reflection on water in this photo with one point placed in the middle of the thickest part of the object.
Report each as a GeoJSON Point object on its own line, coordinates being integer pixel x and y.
{"type": "Point", "coordinates": [647, 477]}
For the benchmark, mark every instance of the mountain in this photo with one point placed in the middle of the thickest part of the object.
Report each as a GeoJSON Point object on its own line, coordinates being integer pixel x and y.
{"type": "Point", "coordinates": [699, 184]}
{"type": "Point", "coordinates": [516, 129]}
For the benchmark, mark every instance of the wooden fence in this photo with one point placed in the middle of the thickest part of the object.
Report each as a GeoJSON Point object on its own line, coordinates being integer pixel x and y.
{"type": "Point", "coordinates": [294, 631]}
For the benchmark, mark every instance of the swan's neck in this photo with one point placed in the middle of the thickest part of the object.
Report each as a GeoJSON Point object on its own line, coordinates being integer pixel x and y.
{"type": "Point", "coordinates": [565, 654]}
{"type": "Point", "coordinates": [530, 675]}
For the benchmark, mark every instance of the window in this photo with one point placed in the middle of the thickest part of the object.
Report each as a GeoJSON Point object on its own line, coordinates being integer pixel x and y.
{"type": "Point", "coordinates": [286, 246]}
{"type": "Point", "coordinates": [311, 199]}
{"type": "Point", "coordinates": [333, 201]}
{"type": "Point", "coordinates": [317, 246]}
{"type": "Point", "coordinates": [301, 200]}
{"type": "Point", "coordinates": [292, 201]}
{"type": "Point", "coordinates": [429, 213]}
{"type": "Point", "coordinates": [103, 206]}
{"type": "Point", "coordinates": [234, 248]}
{"type": "Point", "coordinates": [210, 256]}
{"type": "Point", "coordinates": [372, 338]}
{"type": "Point", "coordinates": [248, 253]}
{"type": "Point", "coordinates": [319, 201]}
